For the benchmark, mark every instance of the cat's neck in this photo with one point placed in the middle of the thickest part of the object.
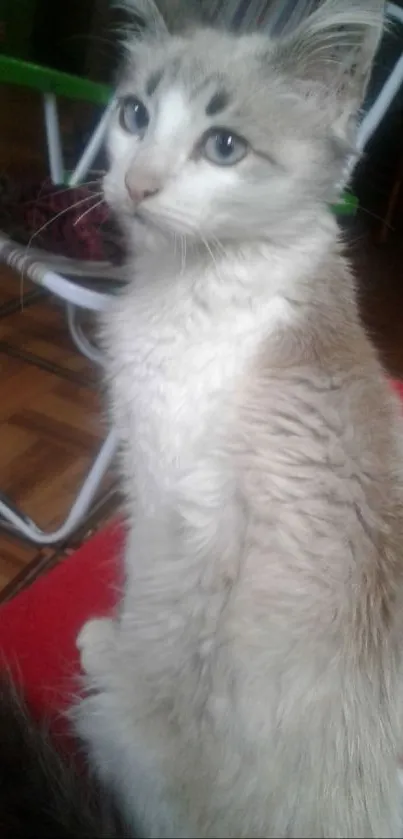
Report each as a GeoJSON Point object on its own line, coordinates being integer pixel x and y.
{"type": "Point", "coordinates": [183, 334]}
{"type": "Point", "coordinates": [221, 274]}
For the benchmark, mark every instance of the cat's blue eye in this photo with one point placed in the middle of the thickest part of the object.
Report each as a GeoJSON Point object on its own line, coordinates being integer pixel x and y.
{"type": "Point", "coordinates": [133, 115]}
{"type": "Point", "coordinates": [224, 148]}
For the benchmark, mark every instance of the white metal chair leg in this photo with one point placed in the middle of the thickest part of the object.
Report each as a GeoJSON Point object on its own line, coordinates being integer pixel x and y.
{"type": "Point", "coordinates": [79, 338]}
{"type": "Point", "coordinates": [377, 111]}
{"type": "Point", "coordinates": [75, 297]}
{"type": "Point", "coordinates": [93, 146]}
{"type": "Point", "coordinates": [55, 154]}
{"type": "Point", "coordinates": [22, 525]}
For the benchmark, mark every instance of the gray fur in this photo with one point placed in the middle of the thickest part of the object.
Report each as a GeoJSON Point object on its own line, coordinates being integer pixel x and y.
{"type": "Point", "coordinates": [251, 685]}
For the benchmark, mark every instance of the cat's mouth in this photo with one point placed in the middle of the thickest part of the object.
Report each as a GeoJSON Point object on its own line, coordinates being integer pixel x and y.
{"type": "Point", "coordinates": [139, 217]}
{"type": "Point", "coordinates": [141, 213]}
{"type": "Point", "coordinates": [145, 218]}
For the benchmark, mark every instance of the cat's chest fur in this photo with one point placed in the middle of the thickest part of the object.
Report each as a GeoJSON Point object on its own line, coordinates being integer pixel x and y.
{"type": "Point", "coordinates": [174, 365]}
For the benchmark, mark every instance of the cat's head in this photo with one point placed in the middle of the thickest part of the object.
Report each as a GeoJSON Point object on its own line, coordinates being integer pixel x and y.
{"type": "Point", "coordinates": [220, 136]}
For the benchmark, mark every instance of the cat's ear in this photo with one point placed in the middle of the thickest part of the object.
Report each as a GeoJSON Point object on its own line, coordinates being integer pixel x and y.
{"type": "Point", "coordinates": [160, 18]}
{"type": "Point", "coordinates": [142, 16]}
{"type": "Point", "coordinates": [332, 50]}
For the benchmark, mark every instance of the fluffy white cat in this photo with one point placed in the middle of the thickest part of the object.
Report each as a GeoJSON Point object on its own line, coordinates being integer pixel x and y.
{"type": "Point", "coordinates": [250, 685]}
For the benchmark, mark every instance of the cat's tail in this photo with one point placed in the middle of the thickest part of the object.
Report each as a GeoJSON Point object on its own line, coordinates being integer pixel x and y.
{"type": "Point", "coordinates": [42, 794]}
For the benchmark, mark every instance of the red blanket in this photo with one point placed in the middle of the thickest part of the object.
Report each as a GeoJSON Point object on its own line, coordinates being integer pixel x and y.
{"type": "Point", "coordinates": [39, 627]}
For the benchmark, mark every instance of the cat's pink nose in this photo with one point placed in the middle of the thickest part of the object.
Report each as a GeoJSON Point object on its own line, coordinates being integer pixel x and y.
{"type": "Point", "coordinates": [140, 191]}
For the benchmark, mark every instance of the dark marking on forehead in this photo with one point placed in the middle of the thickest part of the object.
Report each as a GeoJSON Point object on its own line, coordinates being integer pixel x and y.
{"type": "Point", "coordinates": [153, 82]}
{"type": "Point", "coordinates": [217, 103]}
{"type": "Point", "coordinates": [202, 83]}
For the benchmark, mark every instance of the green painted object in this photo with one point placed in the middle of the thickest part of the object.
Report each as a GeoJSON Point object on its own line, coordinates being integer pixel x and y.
{"type": "Point", "coordinates": [46, 80]}
{"type": "Point", "coordinates": [347, 206]}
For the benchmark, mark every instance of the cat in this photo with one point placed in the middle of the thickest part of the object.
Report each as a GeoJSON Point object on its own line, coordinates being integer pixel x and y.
{"type": "Point", "coordinates": [250, 682]}
{"type": "Point", "coordinates": [42, 793]}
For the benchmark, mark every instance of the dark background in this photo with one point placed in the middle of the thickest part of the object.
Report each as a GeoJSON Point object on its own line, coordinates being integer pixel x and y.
{"type": "Point", "coordinates": [71, 35]}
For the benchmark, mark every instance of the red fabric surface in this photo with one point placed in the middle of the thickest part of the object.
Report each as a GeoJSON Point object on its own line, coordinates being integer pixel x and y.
{"type": "Point", "coordinates": [398, 385]}
{"type": "Point", "coordinates": [39, 627]}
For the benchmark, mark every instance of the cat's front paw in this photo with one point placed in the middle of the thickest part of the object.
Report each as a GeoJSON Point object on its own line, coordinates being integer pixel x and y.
{"type": "Point", "coordinates": [96, 645]}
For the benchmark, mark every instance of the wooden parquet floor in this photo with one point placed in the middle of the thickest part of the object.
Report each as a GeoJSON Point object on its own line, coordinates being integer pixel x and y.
{"type": "Point", "coordinates": [50, 426]}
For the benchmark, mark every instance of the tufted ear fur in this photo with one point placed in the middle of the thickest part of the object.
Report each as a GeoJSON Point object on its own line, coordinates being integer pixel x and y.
{"type": "Point", "coordinates": [160, 18]}
{"type": "Point", "coordinates": [331, 52]}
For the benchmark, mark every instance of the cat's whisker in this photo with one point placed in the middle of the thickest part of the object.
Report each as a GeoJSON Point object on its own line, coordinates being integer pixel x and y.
{"type": "Point", "coordinates": [171, 220]}
{"type": "Point", "coordinates": [375, 216]}
{"type": "Point", "coordinates": [183, 245]}
{"type": "Point", "coordinates": [219, 245]}
{"type": "Point", "coordinates": [89, 210]}
{"type": "Point", "coordinates": [59, 215]}
{"type": "Point", "coordinates": [84, 184]}
{"type": "Point", "coordinates": [37, 232]}
{"type": "Point", "coordinates": [192, 230]}
{"type": "Point", "coordinates": [208, 248]}
{"type": "Point", "coordinates": [178, 241]}
{"type": "Point", "coordinates": [45, 226]}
